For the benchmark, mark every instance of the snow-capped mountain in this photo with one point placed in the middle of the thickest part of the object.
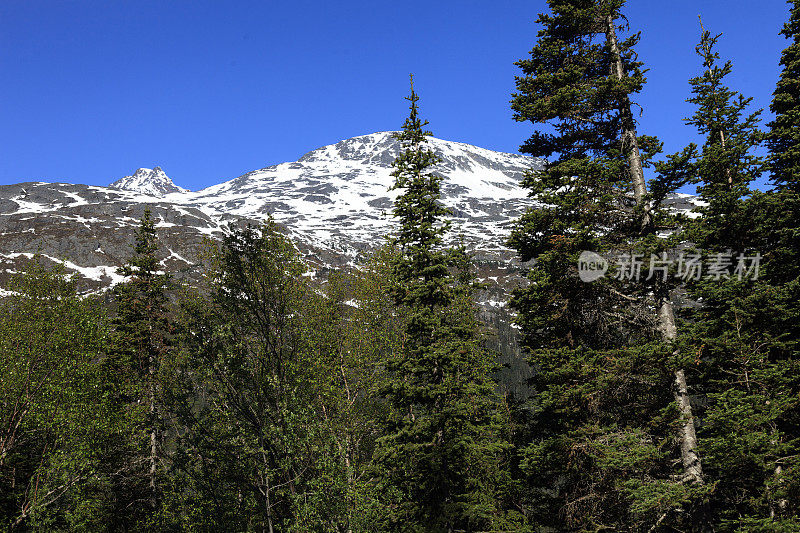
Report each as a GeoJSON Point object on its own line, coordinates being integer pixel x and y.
{"type": "Point", "coordinates": [334, 202]}
{"type": "Point", "coordinates": [150, 181]}
{"type": "Point", "coordinates": [338, 196]}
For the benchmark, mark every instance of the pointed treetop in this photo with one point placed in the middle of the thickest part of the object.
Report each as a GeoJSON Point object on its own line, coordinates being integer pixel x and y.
{"type": "Point", "coordinates": [418, 208]}
{"type": "Point", "coordinates": [413, 133]}
{"type": "Point", "coordinates": [784, 130]}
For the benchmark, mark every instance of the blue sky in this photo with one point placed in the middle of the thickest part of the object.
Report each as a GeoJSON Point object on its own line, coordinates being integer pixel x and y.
{"type": "Point", "coordinates": [211, 90]}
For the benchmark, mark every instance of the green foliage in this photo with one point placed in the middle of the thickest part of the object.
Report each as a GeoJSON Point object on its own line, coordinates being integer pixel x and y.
{"type": "Point", "coordinates": [783, 138]}
{"type": "Point", "coordinates": [140, 343]}
{"type": "Point", "coordinates": [275, 391]}
{"type": "Point", "coordinates": [744, 335]}
{"type": "Point", "coordinates": [439, 460]}
{"type": "Point", "coordinates": [357, 329]}
{"type": "Point", "coordinates": [247, 385]}
{"type": "Point", "coordinates": [566, 83]}
{"type": "Point", "coordinates": [54, 413]}
{"type": "Point", "coordinates": [596, 441]}
{"type": "Point", "coordinates": [727, 164]}
{"type": "Point", "coordinates": [780, 210]}
{"type": "Point", "coordinates": [268, 402]}
{"type": "Point", "coordinates": [141, 322]}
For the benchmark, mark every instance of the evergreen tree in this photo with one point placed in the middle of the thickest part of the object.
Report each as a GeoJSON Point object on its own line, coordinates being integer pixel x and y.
{"type": "Point", "coordinates": [141, 341]}
{"type": "Point", "coordinates": [781, 250]}
{"type": "Point", "coordinates": [782, 140]}
{"type": "Point", "coordinates": [439, 460]}
{"type": "Point", "coordinates": [727, 164]}
{"type": "Point", "coordinates": [780, 211]}
{"type": "Point", "coordinates": [744, 334]}
{"type": "Point", "coordinates": [610, 395]}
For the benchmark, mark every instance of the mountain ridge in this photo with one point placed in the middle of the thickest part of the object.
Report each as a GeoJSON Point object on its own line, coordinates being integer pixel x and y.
{"type": "Point", "coordinates": [335, 201]}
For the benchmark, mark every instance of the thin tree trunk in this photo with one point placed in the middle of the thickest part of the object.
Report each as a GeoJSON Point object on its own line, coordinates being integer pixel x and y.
{"type": "Point", "coordinates": [267, 487]}
{"type": "Point", "coordinates": [692, 468]}
{"type": "Point", "coordinates": [777, 508]}
{"type": "Point", "coordinates": [666, 317]}
{"type": "Point", "coordinates": [269, 511]}
{"type": "Point", "coordinates": [629, 142]}
{"type": "Point", "coordinates": [727, 169]}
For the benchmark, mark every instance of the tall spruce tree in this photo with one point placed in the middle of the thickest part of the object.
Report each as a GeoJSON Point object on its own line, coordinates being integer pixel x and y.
{"type": "Point", "coordinates": [727, 164]}
{"type": "Point", "coordinates": [782, 252]}
{"type": "Point", "coordinates": [439, 461]}
{"type": "Point", "coordinates": [744, 334]}
{"type": "Point", "coordinates": [609, 390]}
{"type": "Point", "coordinates": [782, 139]}
{"type": "Point", "coordinates": [782, 212]}
{"type": "Point", "coordinates": [140, 342]}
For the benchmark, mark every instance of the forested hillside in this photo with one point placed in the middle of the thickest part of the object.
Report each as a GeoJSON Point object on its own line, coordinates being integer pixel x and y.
{"type": "Point", "coordinates": [661, 350]}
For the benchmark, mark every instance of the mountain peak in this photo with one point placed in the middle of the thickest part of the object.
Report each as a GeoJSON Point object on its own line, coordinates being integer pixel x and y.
{"type": "Point", "coordinates": [149, 181]}
{"type": "Point", "coordinates": [382, 148]}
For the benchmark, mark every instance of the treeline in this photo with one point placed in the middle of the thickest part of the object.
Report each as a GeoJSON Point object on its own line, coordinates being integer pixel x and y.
{"type": "Point", "coordinates": [665, 386]}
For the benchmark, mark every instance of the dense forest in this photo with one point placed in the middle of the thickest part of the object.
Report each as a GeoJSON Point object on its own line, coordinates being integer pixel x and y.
{"type": "Point", "coordinates": [664, 395]}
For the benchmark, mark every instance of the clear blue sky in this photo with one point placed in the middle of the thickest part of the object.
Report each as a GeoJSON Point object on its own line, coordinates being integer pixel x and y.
{"type": "Point", "coordinates": [208, 90]}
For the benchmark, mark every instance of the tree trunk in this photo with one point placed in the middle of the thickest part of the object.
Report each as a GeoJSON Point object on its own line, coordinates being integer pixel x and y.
{"type": "Point", "coordinates": [630, 144]}
{"type": "Point", "coordinates": [265, 482]}
{"type": "Point", "coordinates": [777, 508]}
{"type": "Point", "coordinates": [727, 169]}
{"type": "Point", "coordinates": [666, 317]}
{"type": "Point", "coordinates": [692, 468]}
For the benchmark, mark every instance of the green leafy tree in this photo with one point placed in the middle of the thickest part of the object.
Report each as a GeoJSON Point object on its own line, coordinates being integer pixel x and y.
{"type": "Point", "coordinates": [439, 460]}
{"type": "Point", "coordinates": [249, 390]}
{"type": "Point", "coordinates": [54, 417]}
{"type": "Point", "coordinates": [356, 329]}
